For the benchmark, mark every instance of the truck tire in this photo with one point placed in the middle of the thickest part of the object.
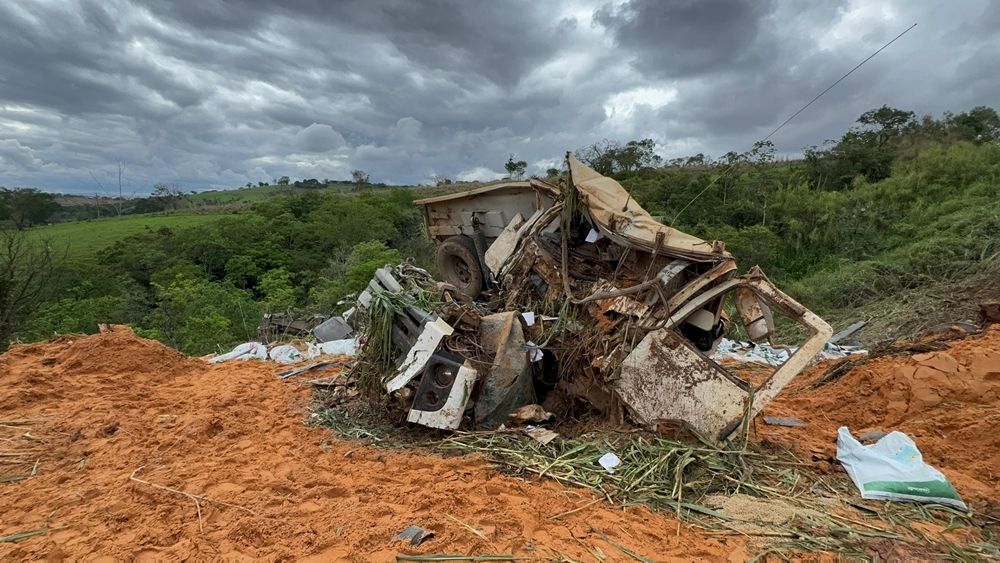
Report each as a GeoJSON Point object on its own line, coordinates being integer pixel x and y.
{"type": "Point", "coordinates": [458, 264]}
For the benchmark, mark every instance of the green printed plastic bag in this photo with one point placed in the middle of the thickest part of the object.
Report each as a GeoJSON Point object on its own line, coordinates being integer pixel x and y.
{"type": "Point", "coordinates": [893, 469]}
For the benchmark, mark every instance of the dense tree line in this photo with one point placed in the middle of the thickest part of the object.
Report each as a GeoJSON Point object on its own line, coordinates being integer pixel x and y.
{"type": "Point", "coordinates": [26, 207]}
{"type": "Point", "coordinates": [206, 286]}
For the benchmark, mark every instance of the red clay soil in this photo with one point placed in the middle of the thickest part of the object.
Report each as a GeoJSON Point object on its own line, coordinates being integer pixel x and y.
{"type": "Point", "coordinates": [104, 408]}
{"type": "Point", "coordinates": [947, 401]}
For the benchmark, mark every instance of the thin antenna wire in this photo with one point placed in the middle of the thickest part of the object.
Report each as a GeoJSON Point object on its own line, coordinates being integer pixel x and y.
{"type": "Point", "coordinates": [793, 116]}
{"type": "Point", "coordinates": [820, 95]}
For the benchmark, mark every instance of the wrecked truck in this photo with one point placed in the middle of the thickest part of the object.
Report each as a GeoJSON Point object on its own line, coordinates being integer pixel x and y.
{"type": "Point", "coordinates": [574, 298]}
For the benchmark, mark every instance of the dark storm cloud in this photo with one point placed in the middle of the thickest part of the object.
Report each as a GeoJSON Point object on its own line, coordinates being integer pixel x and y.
{"type": "Point", "coordinates": [690, 37]}
{"type": "Point", "coordinates": [222, 92]}
{"type": "Point", "coordinates": [741, 68]}
{"type": "Point", "coordinates": [493, 39]}
{"type": "Point", "coordinates": [737, 66]}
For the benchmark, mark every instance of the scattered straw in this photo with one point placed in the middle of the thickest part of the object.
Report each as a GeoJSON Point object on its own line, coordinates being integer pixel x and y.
{"type": "Point", "coordinates": [196, 499]}
{"type": "Point", "coordinates": [677, 477]}
{"type": "Point", "coordinates": [459, 558]}
{"type": "Point", "coordinates": [655, 471]}
{"type": "Point", "coordinates": [23, 535]}
{"type": "Point", "coordinates": [478, 533]}
{"type": "Point", "coordinates": [625, 550]}
{"type": "Point", "coordinates": [574, 510]}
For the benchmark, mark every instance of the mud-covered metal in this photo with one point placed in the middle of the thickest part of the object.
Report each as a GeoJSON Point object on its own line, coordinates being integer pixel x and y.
{"type": "Point", "coordinates": [703, 394]}
{"type": "Point", "coordinates": [488, 209]}
{"type": "Point", "coordinates": [665, 379]}
{"type": "Point", "coordinates": [631, 309]}
{"type": "Point", "coordinates": [508, 383]}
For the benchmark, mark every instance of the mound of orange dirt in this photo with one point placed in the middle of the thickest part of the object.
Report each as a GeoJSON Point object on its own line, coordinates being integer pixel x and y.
{"type": "Point", "coordinates": [124, 435]}
{"type": "Point", "coordinates": [948, 401]}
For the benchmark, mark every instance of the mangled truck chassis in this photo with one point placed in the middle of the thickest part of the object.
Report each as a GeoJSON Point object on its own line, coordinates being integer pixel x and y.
{"type": "Point", "coordinates": [624, 311]}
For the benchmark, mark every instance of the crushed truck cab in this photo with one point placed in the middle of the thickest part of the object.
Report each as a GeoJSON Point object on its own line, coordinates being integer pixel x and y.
{"type": "Point", "coordinates": [574, 297]}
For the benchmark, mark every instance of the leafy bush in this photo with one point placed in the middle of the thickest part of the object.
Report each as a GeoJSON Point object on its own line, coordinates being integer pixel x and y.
{"type": "Point", "coordinates": [204, 287]}
{"type": "Point", "coordinates": [75, 315]}
{"type": "Point", "coordinates": [198, 316]}
{"type": "Point", "coordinates": [278, 290]}
{"type": "Point", "coordinates": [353, 276]}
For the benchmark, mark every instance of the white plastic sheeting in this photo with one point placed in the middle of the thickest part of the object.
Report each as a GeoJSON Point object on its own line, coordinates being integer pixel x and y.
{"type": "Point", "coordinates": [775, 356]}
{"type": "Point", "coordinates": [343, 347]}
{"type": "Point", "coordinates": [288, 354]}
{"type": "Point", "coordinates": [893, 469]}
{"type": "Point", "coordinates": [245, 351]}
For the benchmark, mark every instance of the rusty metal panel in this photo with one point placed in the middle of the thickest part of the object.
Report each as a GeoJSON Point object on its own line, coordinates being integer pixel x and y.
{"type": "Point", "coordinates": [755, 280]}
{"type": "Point", "coordinates": [508, 384]}
{"type": "Point", "coordinates": [439, 231]}
{"type": "Point", "coordinates": [754, 313]}
{"type": "Point", "coordinates": [697, 284]}
{"type": "Point", "coordinates": [624, 306]}
{"type": "Point", "coordinates": [505, 245]}
{"type": "Point", "coordinates": [665, 379]}
{"type": "Point", "coordinates": [492, 208]}
{"type": "Point", "coordinates": [821, 333]}
{"type": "Point", "coordinates": [539, 185]}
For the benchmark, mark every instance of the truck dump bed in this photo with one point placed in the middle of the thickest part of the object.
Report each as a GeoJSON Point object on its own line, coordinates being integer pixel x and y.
{"type": "Point", "coordinates": [487, 209]}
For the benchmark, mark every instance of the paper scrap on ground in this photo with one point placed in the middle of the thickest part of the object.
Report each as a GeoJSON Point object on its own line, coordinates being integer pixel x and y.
{"type": "Point", "coordinates": [541, 435]}
{"type": "Point", "coordinates": [529, 317]}
{"type": "Point", "coordinates": [535, 353]}
{"type": "Point", "coordinates": [609, 462]}
{"type": "Point", "coordinates": [893, 469]}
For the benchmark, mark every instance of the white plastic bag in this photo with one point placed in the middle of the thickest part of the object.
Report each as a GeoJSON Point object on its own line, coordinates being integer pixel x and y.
{"type": "Point", "coordinates": [345, 347]}
{"type": "Point", "coordinates": [286, 354]}
{"type": "Point", "coordinates": [245, 351]}
{"type": "Point", "coordinates": [609, 462]}
{"type": "Point", "coordinates": [893, 469]}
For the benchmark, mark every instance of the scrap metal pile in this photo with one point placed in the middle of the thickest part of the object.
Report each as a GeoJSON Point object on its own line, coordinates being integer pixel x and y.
{"type": "Point", "coordinates": [573, 297]}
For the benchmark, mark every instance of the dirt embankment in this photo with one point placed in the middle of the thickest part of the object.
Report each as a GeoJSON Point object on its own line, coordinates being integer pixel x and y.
{"type": "Point", "coordinates": [948, 401]}
{"type": "Point", "coordinates": [96, 409]}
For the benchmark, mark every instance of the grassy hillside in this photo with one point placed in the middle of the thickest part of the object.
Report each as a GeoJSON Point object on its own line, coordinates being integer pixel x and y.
{"type": "Point", "coordinates": [201, 282]}
{"type": "Point", "coordinates": [239, 195]}
{"type": "Point", "coordinates": [261, 193]}
{"type": "Point", "coordinates": [83, 239]}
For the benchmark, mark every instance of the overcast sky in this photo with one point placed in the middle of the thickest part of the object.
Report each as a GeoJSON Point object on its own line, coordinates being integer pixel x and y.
{"type": "Point", "coordinates": [214, 93]}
